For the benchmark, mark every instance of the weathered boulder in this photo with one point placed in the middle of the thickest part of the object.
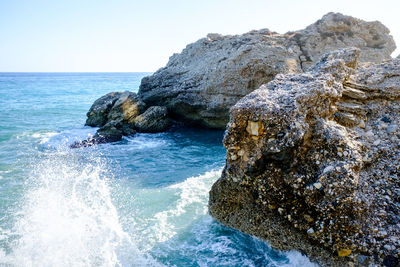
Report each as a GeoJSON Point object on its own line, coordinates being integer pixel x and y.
{"type": "Point", "coordinates": [97, 115]}
{"type": "Point", "coordinates": [153, 120]}
{"type": "Point", "coordinates": [115, 107]}
{"type": "Point", "coordinates": [115, 114]}
{"type": "Point", "coordinates": [313, 163]}
{"type": "Point", "coordinates": [200, 84]}
{"type": "Point", "coordinates": [121, 114]}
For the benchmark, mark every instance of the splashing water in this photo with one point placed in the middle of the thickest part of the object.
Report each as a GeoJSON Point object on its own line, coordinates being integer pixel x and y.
{"type": "Point", "coordinates": [138, 202]}
{"type": "Point", "coordinates": [68, 218]}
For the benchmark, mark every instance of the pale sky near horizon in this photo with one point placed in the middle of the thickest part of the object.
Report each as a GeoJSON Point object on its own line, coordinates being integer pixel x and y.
{"type": "Point", "coordinates": [129, 36]}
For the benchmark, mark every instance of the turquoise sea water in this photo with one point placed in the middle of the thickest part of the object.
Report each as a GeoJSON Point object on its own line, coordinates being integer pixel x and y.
{"type": "Point", "coordinates": [138, 202]}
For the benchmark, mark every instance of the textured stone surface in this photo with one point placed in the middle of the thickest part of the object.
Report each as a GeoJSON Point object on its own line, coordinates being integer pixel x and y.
{"type": "Point", "coordinates": [200, 84]}
{"type": "Point", "coordinates": [313, 163]}
{"type": "Point", "coordinates": [154, 120]}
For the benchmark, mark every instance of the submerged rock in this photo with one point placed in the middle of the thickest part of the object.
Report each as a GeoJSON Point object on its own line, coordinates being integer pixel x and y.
{"type": "Point", "coordinates": [313, 163]}
{"type": "Point", "coordinates": [200, 84]}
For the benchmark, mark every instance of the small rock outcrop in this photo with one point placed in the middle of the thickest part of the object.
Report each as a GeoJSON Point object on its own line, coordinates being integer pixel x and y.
{"type": "Point", "coordinates": [121, 114]}
{"type": "Point", "coordinates": [200, 84]}
{"type": "Point", "coordinates": [313, 162]}
{"type": "Point", "coordinates": [114, 108]}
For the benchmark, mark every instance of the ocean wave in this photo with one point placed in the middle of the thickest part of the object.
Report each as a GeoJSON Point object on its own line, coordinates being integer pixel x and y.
{"type": "Point", "coordinates": [67, 218]}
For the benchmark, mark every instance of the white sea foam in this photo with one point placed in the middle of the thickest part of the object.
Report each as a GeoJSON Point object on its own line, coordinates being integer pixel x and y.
{"type": "Point", "coordinates": [145, 141]}
{"type": "Point", "coordinates": [296, 259]}
{"type": "Point", "coordinates": [68, 137]}
{"type": "Point", "coordinates": [173, 208]}
{"type": "Point", "coordinates": [192, 197]}
{"type": "Point", "coordinates": [44, 137]}
{"type": "Point", "coordinates": [68, 218]}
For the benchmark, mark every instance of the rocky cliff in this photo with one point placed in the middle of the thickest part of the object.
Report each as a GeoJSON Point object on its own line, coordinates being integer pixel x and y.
{"type": "Point", "coordinates": [200, 84]}
{"type": "Point", "coordinates": [313, 162]}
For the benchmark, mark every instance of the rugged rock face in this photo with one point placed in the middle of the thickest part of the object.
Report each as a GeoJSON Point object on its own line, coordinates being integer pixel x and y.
{"type": "Point", "coordinates": [313, 163]}
{"type": "Point", "coordinates": [200, 84]}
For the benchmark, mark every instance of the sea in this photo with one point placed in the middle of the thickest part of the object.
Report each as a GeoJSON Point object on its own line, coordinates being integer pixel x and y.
{"type": "Point", "coordinates": [138, 202]}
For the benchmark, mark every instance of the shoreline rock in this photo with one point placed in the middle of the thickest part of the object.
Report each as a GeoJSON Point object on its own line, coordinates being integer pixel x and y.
{"type": "Point", "coordinates": [122, 114]}
{"type": "Point", "coordinates": [199, 85]}
{"type": "Point", "coordinates": [313, 163]}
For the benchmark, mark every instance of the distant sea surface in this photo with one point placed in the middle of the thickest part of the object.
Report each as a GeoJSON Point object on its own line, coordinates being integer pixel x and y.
{"type": "Point", "coordinates": [138, 202]}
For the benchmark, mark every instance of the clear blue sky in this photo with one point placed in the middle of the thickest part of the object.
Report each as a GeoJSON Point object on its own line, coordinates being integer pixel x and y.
{"type": "Point", "coordinates": [124, 35]}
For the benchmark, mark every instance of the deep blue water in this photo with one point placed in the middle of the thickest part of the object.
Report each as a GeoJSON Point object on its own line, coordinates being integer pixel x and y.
{"type": "Point", "coordinates": [138, 202]}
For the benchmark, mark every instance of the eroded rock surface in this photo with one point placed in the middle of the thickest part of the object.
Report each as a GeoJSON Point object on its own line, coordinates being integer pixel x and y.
{"type": "Point", "coordinates": [200, 84]}
{"type": "Point", "coordinates": [313, 163]}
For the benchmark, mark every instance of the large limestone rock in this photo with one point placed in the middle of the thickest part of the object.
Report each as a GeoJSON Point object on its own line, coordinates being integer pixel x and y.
{"type": "Point", "coordinates": [200, 84]}
{"type": "Point", "coordinates": [313, 163]}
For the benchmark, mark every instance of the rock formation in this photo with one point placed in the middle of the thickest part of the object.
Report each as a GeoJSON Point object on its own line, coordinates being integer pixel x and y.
{"type": "Point", "coordinates": [122, 113]}
{"type": "Point", "coordinates": [115, 108]}
{"type": "Point", "coordinates": [313, 162]}
{"type": "Point", "coordinates": [200, 84]}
